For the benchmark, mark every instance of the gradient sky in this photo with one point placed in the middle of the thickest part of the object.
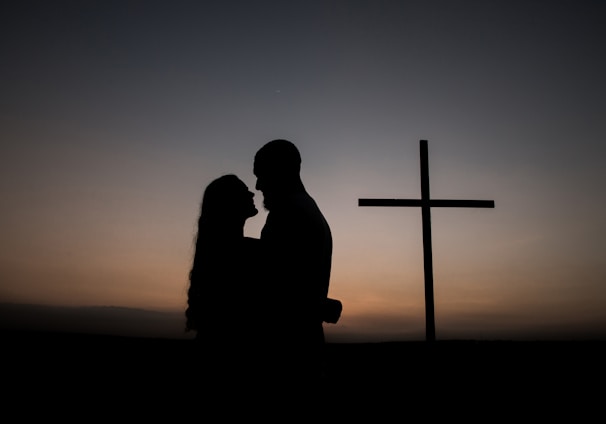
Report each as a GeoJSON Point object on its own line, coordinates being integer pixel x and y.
{"type": "Point", "coordinates": [114, 115]}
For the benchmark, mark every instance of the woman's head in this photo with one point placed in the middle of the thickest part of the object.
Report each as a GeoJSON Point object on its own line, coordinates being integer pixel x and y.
{"type": "Point", "coordinates": [228, 198]}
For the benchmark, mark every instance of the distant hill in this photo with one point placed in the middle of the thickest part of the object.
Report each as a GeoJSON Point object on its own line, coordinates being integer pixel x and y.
{"type": "Point", "coordinates": [108, 320]}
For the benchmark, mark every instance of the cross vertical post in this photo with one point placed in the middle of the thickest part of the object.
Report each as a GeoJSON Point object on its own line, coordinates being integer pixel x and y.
{"type": "Point", "coordinates": [426, 203]}
{"type": "Point", "coordinates": [430, 327]}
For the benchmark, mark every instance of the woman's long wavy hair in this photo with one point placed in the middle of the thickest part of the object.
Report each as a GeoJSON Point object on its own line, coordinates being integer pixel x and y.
{"type": "Point", "coordinates": [218, 209]}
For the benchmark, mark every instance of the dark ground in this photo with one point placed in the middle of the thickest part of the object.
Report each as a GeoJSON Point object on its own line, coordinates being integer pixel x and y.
{"type": "Point", "coordinates": [64, 374]}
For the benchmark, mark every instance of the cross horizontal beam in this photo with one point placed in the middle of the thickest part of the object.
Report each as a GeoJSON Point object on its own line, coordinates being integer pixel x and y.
{"type": "Point", "coordinates": [433, 203]}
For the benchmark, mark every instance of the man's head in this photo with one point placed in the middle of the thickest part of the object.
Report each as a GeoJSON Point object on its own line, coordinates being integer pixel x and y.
{"type": "Point", "coordinates": [277, 167]}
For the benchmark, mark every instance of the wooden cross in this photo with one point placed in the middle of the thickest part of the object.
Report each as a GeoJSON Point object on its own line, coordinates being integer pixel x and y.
{"type": "Point", "coordinates": [426, 203]}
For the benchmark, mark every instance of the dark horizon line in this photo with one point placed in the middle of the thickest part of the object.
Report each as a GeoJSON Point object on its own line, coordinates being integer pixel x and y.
{"type": "Point", "coordinates": [137, 323]}
{"type": "Point", "coordinates": [15, 332]}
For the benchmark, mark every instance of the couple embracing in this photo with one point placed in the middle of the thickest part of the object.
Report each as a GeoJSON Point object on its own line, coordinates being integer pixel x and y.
{"type": "Point", "coordinates": [262, 302]}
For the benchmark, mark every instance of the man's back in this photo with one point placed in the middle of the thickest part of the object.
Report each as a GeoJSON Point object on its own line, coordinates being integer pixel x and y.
{"type": "Point", "coordinates": [299, 240]}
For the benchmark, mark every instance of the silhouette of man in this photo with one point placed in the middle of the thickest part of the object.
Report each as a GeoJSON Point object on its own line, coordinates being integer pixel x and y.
{"type": "Point", "coordinates": [298, 244]}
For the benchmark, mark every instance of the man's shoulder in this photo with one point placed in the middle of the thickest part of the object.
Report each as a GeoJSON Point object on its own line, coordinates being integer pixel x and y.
{"type": "Point", "coordinates": [251, 244]}
{"type": "Point", "coordinates": [304, 202]}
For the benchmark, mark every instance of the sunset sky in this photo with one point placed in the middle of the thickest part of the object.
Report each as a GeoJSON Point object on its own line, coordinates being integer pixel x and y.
{"type": "Point", "coordinates": [114, 115]}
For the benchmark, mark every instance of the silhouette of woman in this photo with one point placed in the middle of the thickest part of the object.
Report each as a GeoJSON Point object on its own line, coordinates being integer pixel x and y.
{"type": "Point", "coordinates": [224, 296]}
